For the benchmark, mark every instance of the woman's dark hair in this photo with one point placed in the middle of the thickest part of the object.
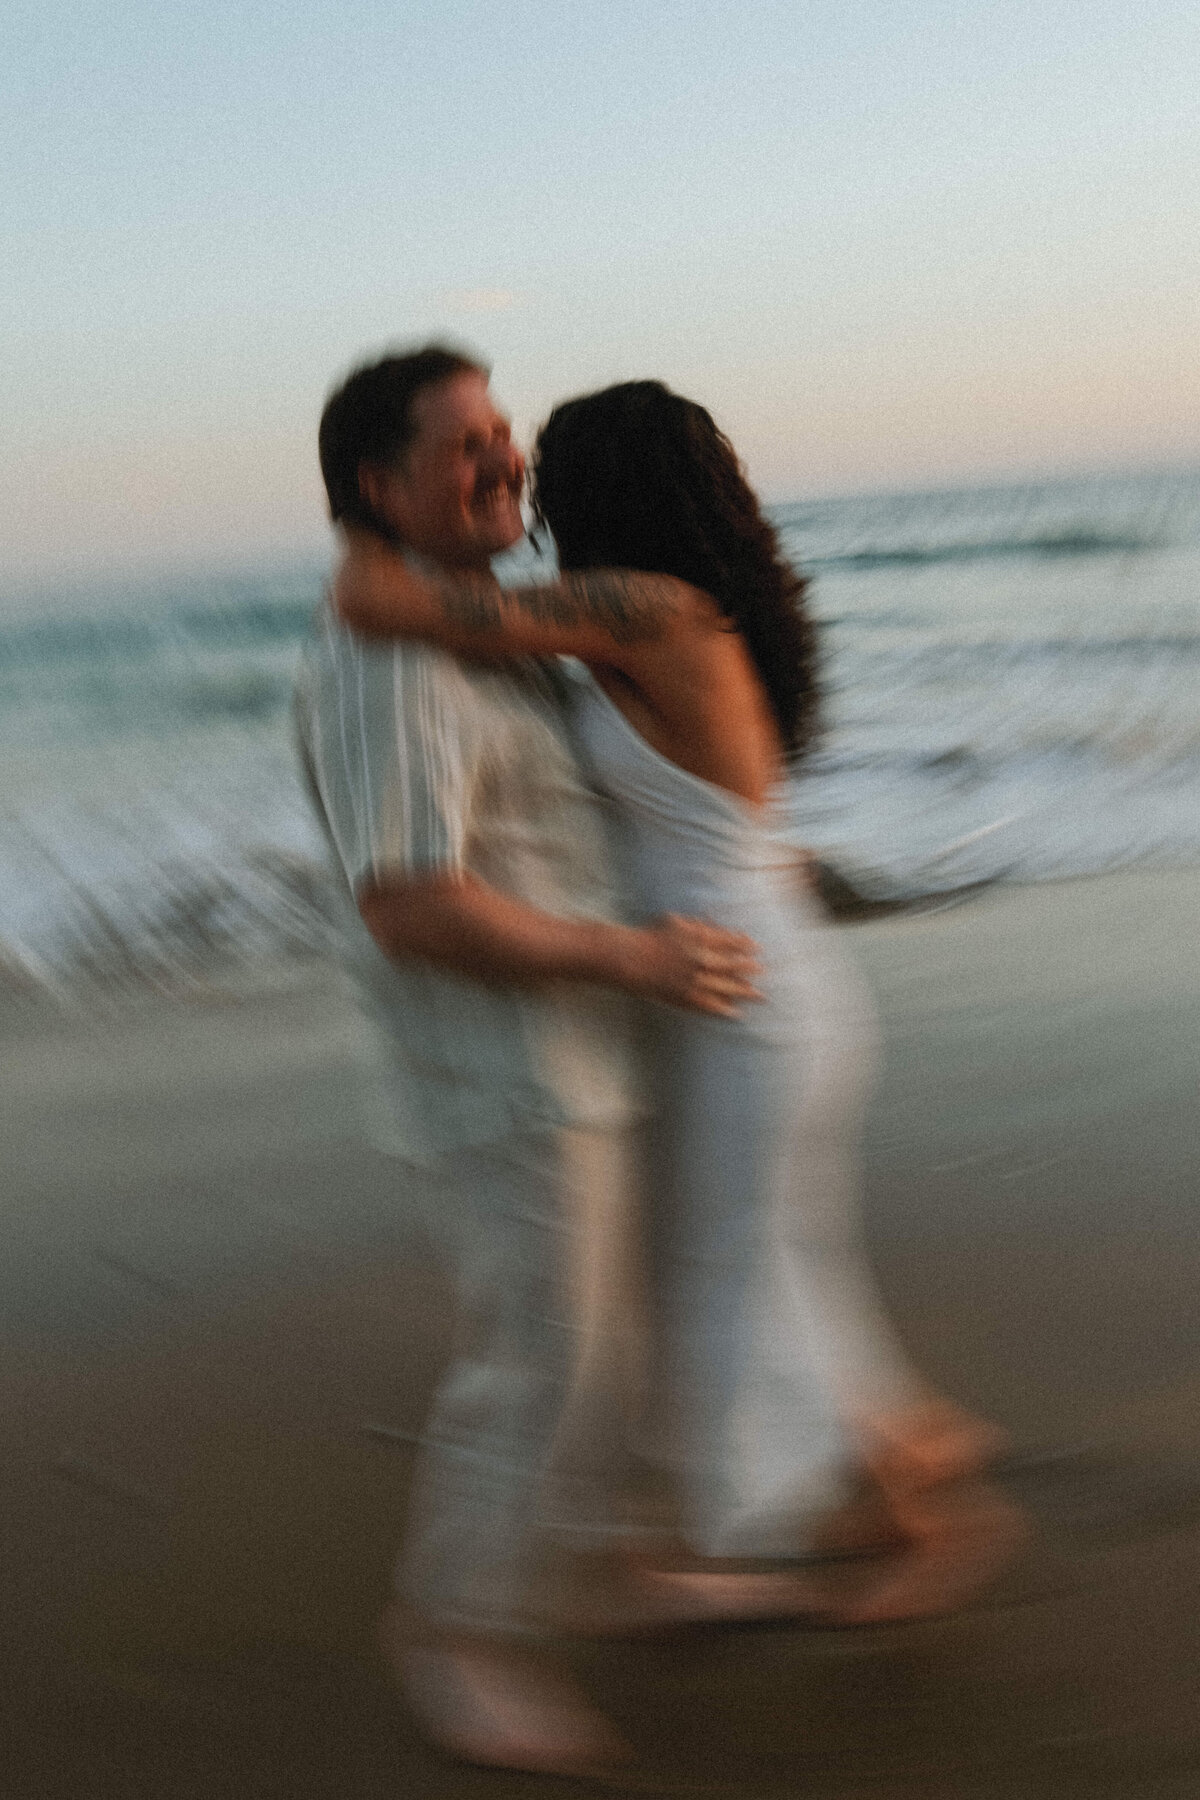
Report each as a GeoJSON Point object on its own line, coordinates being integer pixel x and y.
{"type": "Point", "coordinates": [636, 477]}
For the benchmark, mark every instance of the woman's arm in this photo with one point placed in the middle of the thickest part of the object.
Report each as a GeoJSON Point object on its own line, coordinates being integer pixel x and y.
{"type": "Point", "coordinates": [597, 614]}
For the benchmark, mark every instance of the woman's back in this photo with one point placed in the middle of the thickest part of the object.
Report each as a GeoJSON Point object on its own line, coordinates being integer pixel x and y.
{"type": "Point", "coordinates": [690, 846]}
{"type": "Point", "coordinates": [697, 699]}
{"type": "Point", "coordinates": [691, 833]}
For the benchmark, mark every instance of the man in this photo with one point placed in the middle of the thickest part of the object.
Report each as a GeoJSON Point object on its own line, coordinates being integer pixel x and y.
{"type": "Point", "coordinates": [485, 937]}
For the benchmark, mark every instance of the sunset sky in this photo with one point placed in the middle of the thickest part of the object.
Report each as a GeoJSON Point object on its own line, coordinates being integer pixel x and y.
{"type": "Point", "coordinates": [889, 244]}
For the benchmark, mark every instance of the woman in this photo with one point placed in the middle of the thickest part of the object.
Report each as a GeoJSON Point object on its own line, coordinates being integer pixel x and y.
{"type": "Point", "coordinates": [776, 1369]}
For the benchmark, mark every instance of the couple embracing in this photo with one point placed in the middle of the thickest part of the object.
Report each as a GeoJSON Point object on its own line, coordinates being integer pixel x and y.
{"type": "Point", "coordinates": [622, 1058]}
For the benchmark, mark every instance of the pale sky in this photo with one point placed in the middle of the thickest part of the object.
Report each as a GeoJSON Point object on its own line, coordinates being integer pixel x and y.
{"type": "Point", "coordinates": [889, 242]}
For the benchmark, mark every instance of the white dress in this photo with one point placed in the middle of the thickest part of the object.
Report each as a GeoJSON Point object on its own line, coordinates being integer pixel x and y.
{"type": "Point", "coordinates": [768, 1332]}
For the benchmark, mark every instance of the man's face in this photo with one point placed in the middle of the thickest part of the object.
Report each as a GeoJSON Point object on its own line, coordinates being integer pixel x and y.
{"type": "Point", "coordinates": [455, 494]}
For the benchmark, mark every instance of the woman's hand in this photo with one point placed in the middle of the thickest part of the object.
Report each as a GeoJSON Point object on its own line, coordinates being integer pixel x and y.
{"type": "Point", "coordinates": [700, 967]}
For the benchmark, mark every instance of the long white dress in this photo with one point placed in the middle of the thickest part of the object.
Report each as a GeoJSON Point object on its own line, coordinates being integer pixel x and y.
{"type": "Point", "coordinates": [769, 1335]}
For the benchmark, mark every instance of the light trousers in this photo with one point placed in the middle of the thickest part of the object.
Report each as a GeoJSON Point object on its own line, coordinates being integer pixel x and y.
{"type": "Point", "coordinates": [527, 1446]}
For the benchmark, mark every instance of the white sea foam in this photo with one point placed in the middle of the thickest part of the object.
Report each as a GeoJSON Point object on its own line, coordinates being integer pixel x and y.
{"type": "Point", "coordinates": [1012, 678]}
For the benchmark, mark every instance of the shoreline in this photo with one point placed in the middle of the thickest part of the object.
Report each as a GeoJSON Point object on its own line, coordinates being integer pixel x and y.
{"type": "Point", "coordinates": [851, 900]}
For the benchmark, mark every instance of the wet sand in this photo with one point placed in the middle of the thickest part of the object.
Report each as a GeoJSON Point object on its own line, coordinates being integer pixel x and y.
{"type": "Point", "coordinates": [220, 1334]}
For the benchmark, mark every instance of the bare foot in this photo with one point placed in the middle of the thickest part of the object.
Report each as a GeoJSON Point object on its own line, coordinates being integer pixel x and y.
{"type": "Point", "coordinates": [863, 1526]}
{"type": "Point", "coordinates": [959, 1538]}
{"type": "Point", "coordinates": [493, 1702]}
{"type": "Point", "coordinates": [949, 1533]}
{"type": "Point", "coordinates": [933, 1442]}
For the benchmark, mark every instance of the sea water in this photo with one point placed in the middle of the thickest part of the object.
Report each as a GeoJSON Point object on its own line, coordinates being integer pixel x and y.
{"type": "Point", "coordinates": [1011, 679]}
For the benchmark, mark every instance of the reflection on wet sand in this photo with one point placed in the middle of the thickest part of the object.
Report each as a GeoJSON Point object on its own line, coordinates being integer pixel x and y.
{"type": "Point", "coordinates": [220, 1343]}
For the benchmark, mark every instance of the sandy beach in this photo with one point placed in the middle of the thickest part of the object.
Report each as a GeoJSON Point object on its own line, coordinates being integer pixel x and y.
{"type": "Point", "coordinates": [220, 1334]}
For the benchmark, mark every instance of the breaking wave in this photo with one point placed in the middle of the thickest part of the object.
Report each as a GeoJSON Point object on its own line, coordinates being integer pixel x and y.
{"type": "Point", "coordinates": [1047, 544]}
{"type": "Point", "coordinates": [1011, 676]}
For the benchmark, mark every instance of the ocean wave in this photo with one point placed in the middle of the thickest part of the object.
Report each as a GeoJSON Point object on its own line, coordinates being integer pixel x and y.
{"type": "Point", "coordinates": [245, 694]}
{"type": "Point", "coordinates": [1028, 752]}
{"type": "Point", "coordinates": [194, 928]}
{"type": "Point", "coordinates": [166, 896]}
{"type": "Point", "coordinates": [946, 640]}
{"type": "Point", "coordinates": [101, 706]}
{"type": "Point", "coordinates": [1120, 655]}
{"type": "Point", "coordinates": [1101, 517]}
{"type": "Point", "coordinates": [1044, 545]}
{"type": "Point", "coordinates": [137, 637]}
{"type": "Point", "coordinates": [994, 724]}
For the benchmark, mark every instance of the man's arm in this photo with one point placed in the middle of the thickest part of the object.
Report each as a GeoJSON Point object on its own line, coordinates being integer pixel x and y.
{"type": "Point", "coordinates": [401, 757]}
{"type": "Point", "coordinates": [600, 615]}
{"type": "Point", "coordinates": [459, 923]}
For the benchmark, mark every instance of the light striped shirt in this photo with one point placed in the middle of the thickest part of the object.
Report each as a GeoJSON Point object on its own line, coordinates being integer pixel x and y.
{"type": "Point", "coordinates": [420, 764]}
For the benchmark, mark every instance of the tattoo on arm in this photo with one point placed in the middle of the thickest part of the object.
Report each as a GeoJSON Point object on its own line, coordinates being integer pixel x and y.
{"type": "Point", "coordinates": [629, 606]}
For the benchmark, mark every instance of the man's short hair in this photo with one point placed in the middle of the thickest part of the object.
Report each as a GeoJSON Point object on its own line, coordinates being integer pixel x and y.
{"type": "Point", "coordinates": [369, 419]}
